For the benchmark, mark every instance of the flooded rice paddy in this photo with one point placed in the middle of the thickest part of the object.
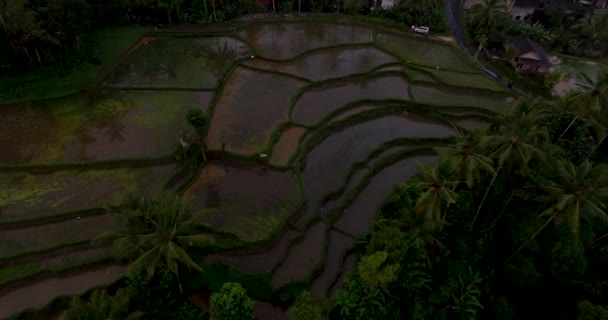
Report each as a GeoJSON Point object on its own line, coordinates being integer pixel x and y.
{"type": "Point", "coordinates": [178, 62]}
{"type": "Point", "coordinates": [329, 64]}
{"type": "Point", "coordinates": [331, 97]}
{"type": "Point", "coordinates": [253, 103]}
{"type": "Point", "coordinates": [286, 146]}
{"type": "Point", "coordinates": [320, 101]}
{"type": "Point", "coordinates": [284, 41]}
{"type": "Point", "coordinates": [250, 202]}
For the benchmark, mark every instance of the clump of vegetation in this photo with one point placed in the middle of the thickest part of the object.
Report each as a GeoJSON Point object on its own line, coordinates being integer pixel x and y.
{"type": "Point", "coordinates": [562, 27]}
{"type": "Point", "coordinates": [513, 220]}
{"type": "Point", "coordinates": [307, 307]}
{"type": "Point", "coordinates": [158, 231]}
{"type": "Point", "coordinates": [101, 306]}
{"type": "Point", "coordinates": [198, 119]}
{"type": "Point", "coordinates": [231, 302]}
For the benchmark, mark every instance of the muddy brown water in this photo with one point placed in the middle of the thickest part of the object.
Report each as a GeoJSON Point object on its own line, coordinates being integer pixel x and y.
{"type": "Point", "coordinates": [252, 105]}
{"type": "Point", "coordinates": [39, 238]}
{"type": "Point", "coordinates": [287, 40]}
{"type": "Point", "coordinates": [359, 216]}
{"type": "Point", "coordinates": [328, 164]}
{"type": "Point", "coordinates": [260, 261]}
{"type": "Point", "coordinates": [267, 311]}
{"type": "Point", "coordinates": [330, 63]}
{"type": "Point", "coordinates": [469, 123]}
{"type": "Point", "coordinates": [250, 202]}
{"type": "Point", "coordinates": [37, 295]}
{"type": "Point", "coordinates": [355, 179]}
{"type": "Point", "coordinates": [349, 265]}
{"type": "Point", "coordinates": [29, 196]}
{"type": "Point", "coordinates": [333, 204]}
{"type": "Point", "coordinates": [352, 111]}
{"type": "Point", "coordinates": [286, 146]}
{"type": "Point", "coordinates": [318, 102]}
{"type": "Point", "coordinates": [339, 244]}
{"type": "Point", "coordinates": [440, 94]}
{"type": "Point", "coordinates": [173, 62]}
{"type": "Point", "coordinates": [303, 258]}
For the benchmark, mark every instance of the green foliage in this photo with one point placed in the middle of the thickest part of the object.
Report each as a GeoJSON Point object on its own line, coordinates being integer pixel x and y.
{"type": "Point", "coordinates": [374, 274]}
{"type": "Point", "coordinates": [158, 231]}
{"type": "Point", "coordinates": [216, 275]}
{"type": "Point", "coordinates": [532, 246]}
{"type": "Point", "coordinates": [159, 299]}
{"type": "Point", "coordinates": [439, 190]}
{"type": "Point", "coordinates": [231, 303]}
{"type": "Point", "coordinates": [198, 118]}
{"type": "Point", "coordinates": [588, 311]}
{"type": "Point", "coordinates": [307, 307]}
{"type": "Point", "coordinates": [101, 306]}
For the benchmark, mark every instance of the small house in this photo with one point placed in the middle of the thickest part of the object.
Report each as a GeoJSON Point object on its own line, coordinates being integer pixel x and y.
{"type": "Point", "coordinates": [531, 57]}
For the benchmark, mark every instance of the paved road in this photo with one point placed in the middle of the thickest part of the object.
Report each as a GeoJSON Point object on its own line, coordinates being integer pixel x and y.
{"type": "Point", "coordinates": [453, 6]}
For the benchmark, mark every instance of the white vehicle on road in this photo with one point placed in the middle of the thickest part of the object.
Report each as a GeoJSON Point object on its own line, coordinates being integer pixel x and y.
{"type": "Point", "coordinates": [421, 29]}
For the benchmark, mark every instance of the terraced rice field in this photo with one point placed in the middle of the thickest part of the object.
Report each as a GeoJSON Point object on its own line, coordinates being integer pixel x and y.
{"type": "Point", "coordinates": [312, 124]}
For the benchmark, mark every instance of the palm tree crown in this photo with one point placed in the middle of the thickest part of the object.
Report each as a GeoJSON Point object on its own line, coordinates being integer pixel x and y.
{"type": "Point", "coordinates": [157, 232]}
{"type": "Point", "coordinates": [466, 157]}
{"type": "Point", "coordinates": [514, 142]}
{"type": "Point", "coordinates": [594, 94]}
{"type": "Point", "coordinates": [488, 15]}
{"type": "Point", "coordinates": [439, 190]}
{"type": "Point", "coordinates": [578, 192]}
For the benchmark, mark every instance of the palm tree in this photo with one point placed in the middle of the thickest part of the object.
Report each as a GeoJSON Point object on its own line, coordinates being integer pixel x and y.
{"type": "Point", "coordinates": [568, 104]}
{"type": "Point", "coordinates": [594, 28]}
{"type": "Point", "coordinates": [466, 157]}
{"type": "Point", "coordinates": [489, 15]}
{"type": "Point", "coordinates": [482, 39]}
{"type": "Point", "coordinates": [578, 193]}
{"type": "Point", "coordinates": [101, 307]}
{"type": "Point", "coordinates": [513, 145]}
{"type": "Point", "coordinates": [594, 92]}
{"type": "Point", "coordinates": [157, 231]}
{"type": "Point", "coordinates": [439, 190]}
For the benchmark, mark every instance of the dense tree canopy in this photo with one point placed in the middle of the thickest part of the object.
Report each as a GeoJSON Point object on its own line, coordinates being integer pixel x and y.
{"type": "Point", "coordinates": [538, 241]}
{"type": "Point", "coordinates": [231, 302]}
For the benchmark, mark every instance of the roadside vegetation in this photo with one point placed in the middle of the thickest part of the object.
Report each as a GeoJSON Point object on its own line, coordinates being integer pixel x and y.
{"type": "Point", "coordinates": [562, 28]}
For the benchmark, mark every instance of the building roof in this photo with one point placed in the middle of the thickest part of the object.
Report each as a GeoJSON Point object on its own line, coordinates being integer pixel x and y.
{"type": "Point", "coordinates": [529, 51]}
{"type": "Point", "coordinates": [527, 3]}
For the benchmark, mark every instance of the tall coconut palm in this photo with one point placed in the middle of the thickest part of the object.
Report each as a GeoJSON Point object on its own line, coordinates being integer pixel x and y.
{"type": "Point", "coordinates": [594, 92]}
{"type": "Point", "coordinates": [489, 15]}
{"type": "Point", "coordinates": [512, 145]}
{"type": "Point", "coordinates": [100, 306]}
{"type": "Point", "coordinates": [157, 232]}
{"type": "Point", "coordinates": [569, 104]}
{"type": "Point", "coordinates": [482, 39]}
{"type": "Point", "coordinates": [578, 193]}
{"type": "Point", "coordinates": [594, 28]}
{"type": "Point", "coordinates": [466, 158]}
{"type": "Point", "coordinates": [439, 190]}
